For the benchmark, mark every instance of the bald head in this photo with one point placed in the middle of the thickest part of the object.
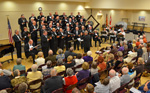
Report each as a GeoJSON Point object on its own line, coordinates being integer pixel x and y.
{"type": "Point", "coordinates": [112, 73]}
{"type": "Point", "coordinates": [53, 72]}
{"type": "Point", "coordinates": [50, 52]}
{"type": "Point", "coordinates": [125, 70]}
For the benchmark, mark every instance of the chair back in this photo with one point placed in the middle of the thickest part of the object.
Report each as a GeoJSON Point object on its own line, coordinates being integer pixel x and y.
{"type": "Point", "coordinates": [22, 72]}
{"type": "Point", "coordinates": [82, 83]}
{"type": "Point", "coordinates": [54, 64]}
{"type": "Point", "coordinates": [41, 65]}
{"type": "Point", "coordinates": [79, 66]}
{"type": "Point", "coordinates": [60, 90]}
{"type": "Point", "coordinates": [46, 77]}
{"type": "Point", "coordinates": [35, 82]}
{"type": "Point", "coordinates": [61, 73]}
{"type": "Point", "coordinates": [71, 87]}
{"type": "Point", "coordinates": [29, 70]}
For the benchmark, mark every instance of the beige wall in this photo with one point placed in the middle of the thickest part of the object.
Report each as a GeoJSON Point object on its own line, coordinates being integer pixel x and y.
{"type": "Point", "coordinates": [15, 8]}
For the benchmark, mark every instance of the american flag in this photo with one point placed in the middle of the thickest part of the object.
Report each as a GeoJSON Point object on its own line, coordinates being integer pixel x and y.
{"type": "Point", "coordinates": [110, 21]}
{"type": "Point", "coordinates": [9, 32]}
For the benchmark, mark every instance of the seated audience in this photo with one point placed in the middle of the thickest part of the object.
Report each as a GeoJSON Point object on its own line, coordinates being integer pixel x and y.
{"type": "Point", "coordinates": [89, 88]}
{"type": "Point", "coordinates": [125, 78]}
{"type": "Point", "coordinates": [144, 39]}
{"type": "Point", "coordinates": [75, 90]}
{"type": "Point", "coordinates": [70, 52]}
{"type": "Point", "coordinates": [60, 54]}
{"type": "Point", "coordinates": [114, 81]}
{"type": "Point", "coordinates": [19, 65]}
{"type": "Point", "coordinates": [101, 64]}
{"type": "Point", "coordinates": [17, 78]}
{"type": "Point", "coordinates": [52, 83]}
{"type": "Point", "coordinates": [140, 67]}
{"type": "Point", "coordinates": [141, 39]}
{"type": "Point", "coordinates": [50, 57]}
{"type": "Point", "coordinates": [131, 72]}
{"type": "Point", "coordinates": [70, 62]}
{"type": "Point", "coordinates": [40, 60]}
{"type": "Point", "coordinates": [131, 55]}
{"type": "Point", "coordinates": [34, 75]}
{"type": "Point", "coordinates": [22, 88]}
{"type": "Point", "coordinates": [114, 50]}
{"type": "Point", "coordinates": [121, 48]}
{"type": "Point", "coordinates": [145, 88]}
{"type": "Point", "coordinates": [88, 57]}
{"type": "Point", "coordinates": [47, 69]}
{"type": "Point", "coordinates": [130, 47]}
{"type": "Point", "coordinates": [84, 73]}
{"type": "Point", "coordinates": [60, 67]}
{"type": "Point", "coordinates": [138, 43]}
{"type": "Point", "coordinates": [94, 68]}
{"type": "Point", "coordinates": [69, 80]}
{"type": "Point", "coordinates": [110, 62]}
{"type": "Point", "coordinates": [125, 45]}
{"type": "Point", "coordinates": [102, 86]}
{"type": "Point", "coordinates": [4, 81]}
{"type": "Point", "coordinates": [145, 53]}
{"type": "Point", "coordinates": [134, 43]}
{"type": "Point", "coordinates": [119, 59]}
{"type": "Point", "coordinates": [5, 71]}
{"type": "Point", "coordinates": [78, 61]}
{"type": "Point", "coordinates": [139, 51]}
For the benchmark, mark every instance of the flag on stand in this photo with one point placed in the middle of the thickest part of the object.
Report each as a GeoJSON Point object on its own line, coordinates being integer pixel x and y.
{"type": "Point", "coordinates": [106, 20]}
{"type": "Point", "coordinates": [9, 32]}
{"type": "Point", "coordinates": [110, 20]}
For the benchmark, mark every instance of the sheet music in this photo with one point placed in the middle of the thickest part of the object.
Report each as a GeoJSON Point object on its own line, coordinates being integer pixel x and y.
{"type": "Point", "coordinates": [79, 39]}
{"type": "Point", "coordinates": [134, 90]}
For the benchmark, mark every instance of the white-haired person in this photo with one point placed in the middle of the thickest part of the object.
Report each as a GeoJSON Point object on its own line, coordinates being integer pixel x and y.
{"type": "Point", "coordinates": [47, 69]}
{"type": "Point", "coordinates": [60, 54]}
{"type": "Point", "coordinates": [78, 61]}
{"type": "Point", "coordinates": [141, 39]}
{"type": "Point", "coordinates": [114, 81]}
{"type": "Point", "coordinates": [69, 80]}
{"type": "Point", "coordinates": [34, 75]}
{"type": "Point", "coordinates": [22, 88]}
{"type": "Point", "coordinates": [40, 60]}
{"type": "Point", "coordinates": [125, 78]}
{"type": "Point", "coordinates": [4, 81]}
{"type": "Point", "coordinates": [88, 57]}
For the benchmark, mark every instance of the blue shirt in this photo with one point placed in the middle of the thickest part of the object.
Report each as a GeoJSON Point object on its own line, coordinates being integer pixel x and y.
{"type": "Point", "coordinates": [88, 58]}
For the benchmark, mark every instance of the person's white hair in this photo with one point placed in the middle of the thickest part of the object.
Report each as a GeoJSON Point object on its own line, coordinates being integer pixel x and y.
{"type": "Point", "coordinates": [53, 72]}
{"type": "Point", "coordinates": [141, 37]}
{"type": "Point", "coordinates": [89, 53]}
{"type": "Point", "coordinates": [125, 41]}
{"type": "Point", "coordinates": [125, 70]}
{"type": "Point", "coordinates": [69, 72]}
{"type": "Point", "coordinates": [34, 67]}
{"type": "Point", "coordinates": [112, 72]}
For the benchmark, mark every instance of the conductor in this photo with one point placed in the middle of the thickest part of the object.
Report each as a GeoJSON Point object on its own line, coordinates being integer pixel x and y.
{"type": "Point", "coordinates": [86, 41]}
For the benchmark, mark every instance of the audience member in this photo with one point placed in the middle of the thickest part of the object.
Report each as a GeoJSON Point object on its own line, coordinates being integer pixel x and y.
{"type": "Point", "coordinates": [131, 72]}
{"type": "Point", "coordinates": [84, 73]}
{"type": "Point", "coordinates": [110, 62]}
{"type": "Point", "coordinates": [89, 88]}
{"type": "Point", "coordinates": [144, 39]}
{"type": "Point", "coordinates": [40, 60]}
{"type": "Point", "coordinates": [121, 48]}
{"type": "Point", "coordinates": [60, 54]}
{"type": "Point", "coordinates": [78, 61]}
{"type": "Point", "coordinates": [134, 43]}
{"type": "Point", "coordinates": [145, 53]}
{"type": "Point", "coordinates": [119, 59]}
{"type": "Point", "coordinates": [131, 55]}
{"type": "Point", "coordinates": [70, 62]}
{"type": "Point", "coordinates": [141, 39]}
{"type": "Point", "coordinates": [69, 80]}
{"type": "Point", "coordinates": [101, 64]}
{"type": "Point", "coordinates": [5, 71]}
{"type": "Point", "coordinates": [22, 88]}
{"type": "Point", "coordinates": [137, 43]}
{"type": "Point", "coordinates": [52, 83]}
{"type": "Point", "coordinates": [4, 81]}
{"type": "Point", "coordinates": [75, 90]}
{"type": "Point", "coordinates": [17, 78]}
{"type": "Point", "coordinates": [125, 78]}
{"type": "Point", "coordinates": [70, 52]}
{"type": "Point", "coordinates": [50, 57]}
{"type": "Point", "coordinates": [139, 51]}
{"type": "Point", "coordinates": [34, 75]}
{"type": "Point", "coordinates": [88, 57]}
{"type": "Point", "coordinates": [102, 86]}
{"type": "Point", "coordinates": [60, 67]}
{"type": "Point", "coordinates": [140, 67]}
{"type": "Point", "coordinates": [145, 88]}
{"type": "Point", "coordinates": [114, 81]}
{"type": "Point", "coordinates": [47, 69]}
{"type": "Point", "coordinates": [114, 50]}
{"type": "Point", "coordinates": [94, 68]}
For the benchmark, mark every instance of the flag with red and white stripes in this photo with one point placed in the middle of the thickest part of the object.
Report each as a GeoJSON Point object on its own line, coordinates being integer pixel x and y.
{"type": "Point", "coordinates": [9, 32]}
{"type": "Point", "coordinates": [106, 19]}
{"type": "Point", "coordinates": [110, 20]}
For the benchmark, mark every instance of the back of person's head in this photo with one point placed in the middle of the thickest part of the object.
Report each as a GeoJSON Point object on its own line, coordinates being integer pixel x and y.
{"type": "Point", "coordinates": [22, 87]}
{"type": "Point", "coordinates": [119, 54]}
{"type": "Point", "coordinates": [75, 90]}
{"type": "Point", "coordinates": [135, 49]}
{"type": "Point", "coordinates": [111, 56]}
{"type": "Point", "coordinates": [130, 65]}
{"type": "Point", "coordinates": [89, 88]}
{"type": "Point", "coordinates": [60, 51]}
{"type": "Point", "coordinates": [16, 73]}
{"type": "Point", "coordinates": [94, 65]}
{"type": "Point", "coordinates": [134, 41]}
{"type": "Point", "coordinates": [112, 73]}
{"type": "Point", "coordinates": [85, 66]}
{"type": "Point", "coordinates": [125, 70]}
{"type": "Point", "coordinates": [89, 53]}
{"type": "Point", "coordinates": [69, 72]}
{"type": "Point", "coordinates": [40, 54]}
{"type": "Point", "coordinates": [49, 63]}
{"type": "Point", "coordinates": [79, 55]}
{"type": "Point", "coordinates": [1, 72]}
{"type": "Point", "coordinates": [53, 72]}
{"type": "Point", "coordinates": [140, 60]}
{"type": "Point", "coordinates": [69, 58]}
{"type": "Point", "coordinates": [105, 81]}
{"type": "Point", "coordinates": [114, 45]}
{"type": "Point", "coordinates": [18, 61]}
{"type": "Point", "coordinates": [3, 91]}
{"type": "Point", "coordinates": [34, 67]}
{"type": "Point", "coordinates": [71, 49]}
{"type": "Point", "coordinates": [59, 62]}
{"type": "Point", "coordinates": [50, 52]}
{"type": "Point", "coordinates": [100, 59]}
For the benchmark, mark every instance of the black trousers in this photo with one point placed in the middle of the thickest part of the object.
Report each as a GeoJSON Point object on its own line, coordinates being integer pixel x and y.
{"type": "Point", "coordinates": [61, 44]}
{"type": "Point", "coordinates": [18, 48]}
{"type": "Point", "coordinates": [86, 49]}
{"type": "Point", "coordinates": [33, 53]}
{"type": "Point", "coordinates": [45, 51]}
{"type": "Point", "coordinates": [76, 43]}
{"type": "Point", "coordinates": [34, 38]}
{"type": "Point", "coordinates": [91, 40]}
{"type": "Point", "coordinates": [105, 37]}
{"type": "Point", "coordinates": [112, 38]}
{"type": "Point", "coordinates": [98, 41]}
{"type": "Point", "coordinates": [68, 45]}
